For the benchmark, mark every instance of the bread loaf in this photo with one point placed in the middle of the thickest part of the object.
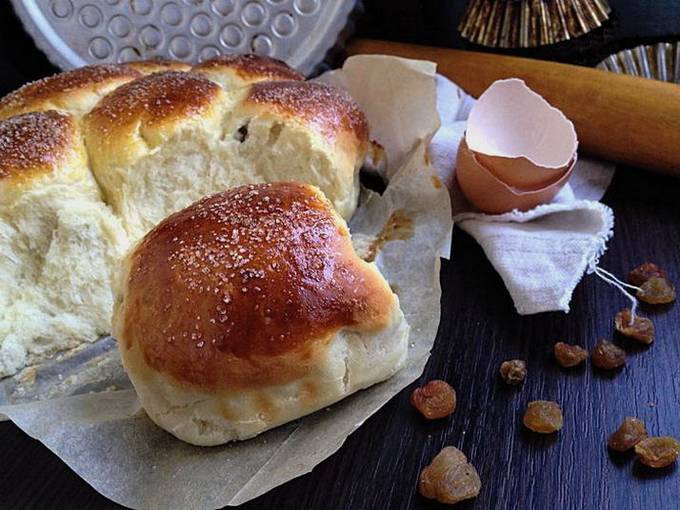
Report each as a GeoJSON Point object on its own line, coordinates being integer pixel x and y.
{"type": "Point", "coordinates": [92, 159]}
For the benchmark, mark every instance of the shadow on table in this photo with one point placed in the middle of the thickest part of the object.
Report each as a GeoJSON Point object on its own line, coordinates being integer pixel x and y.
{"type": "Point", "coordinates": [643, 472]}
{"type": "Point", "coordinates": [535, 440]}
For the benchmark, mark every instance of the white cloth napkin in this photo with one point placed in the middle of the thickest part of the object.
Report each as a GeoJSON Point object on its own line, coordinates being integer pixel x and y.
{"type": "Point", "coordinates": [541, 254]}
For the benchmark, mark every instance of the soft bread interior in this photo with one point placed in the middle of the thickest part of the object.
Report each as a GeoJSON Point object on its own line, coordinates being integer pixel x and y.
{"type": "Point", "coordinates": [199, 161]}
{"type": "Point", "coordinates": [149, 171]}
{"type": "Point", "coordinates": [59, 245]}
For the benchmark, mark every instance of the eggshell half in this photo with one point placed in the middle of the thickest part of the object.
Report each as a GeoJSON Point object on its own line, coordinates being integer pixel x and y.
{"type": "Point", "coordinates": [491, 195]}
{"type": "Point", "coordinates": [519, 172]}
{"type": "Point", "coordinates": [519, 137]}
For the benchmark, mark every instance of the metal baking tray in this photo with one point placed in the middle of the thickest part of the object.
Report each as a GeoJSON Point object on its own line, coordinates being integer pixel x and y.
{"type": "Point", "coordinates": [73, 33]}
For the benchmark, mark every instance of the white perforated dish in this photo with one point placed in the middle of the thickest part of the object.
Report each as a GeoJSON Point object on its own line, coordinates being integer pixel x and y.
{"type": "Point", "coordinates": [73, 33]}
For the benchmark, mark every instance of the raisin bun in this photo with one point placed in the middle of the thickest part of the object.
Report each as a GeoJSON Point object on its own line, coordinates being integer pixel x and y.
{"type": "Point", "coordinates": [249, 309]}
{"type": "Point", "coordinates": [163, 141]}
{"type": "Point", "coordinates": [234, 71]}
{"type": "Point", "coordinates": [58, 241]}
{"type": "Point", "coordinates": [75, 91]}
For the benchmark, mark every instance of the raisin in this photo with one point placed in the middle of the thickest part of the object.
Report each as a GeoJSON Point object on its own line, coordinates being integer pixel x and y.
{"type": "Point", "coordinates": [513, 371]}
{"type": "Point", "coordinates": [569, 355]}
{"type": "Point", "coordinates": [644, 272]}
{"type": "Point", "coordinates": [543, 416]}
{"type": "Point", "coordinates": [630, 433]}
{"type": "Point", "coordinates": [450, 478]}
{"type": "Point", "coordinates": [608, 356]}
{"type": "Point", "coordinates": [640, 329]}
{"type": "Point", "coordinates": [657, 291]}
{"type": "Point", "coordinates": [658, 452]}
{"type": "Point", "coordinates": [437, 399]}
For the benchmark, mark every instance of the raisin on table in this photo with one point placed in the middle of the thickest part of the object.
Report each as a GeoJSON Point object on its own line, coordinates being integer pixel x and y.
{"type": "Point", "coordinates": [450, 478]}
{"type": "Point", "coordinates": [543, 416]}
{"type": "Point", "coordinates": [657, 291]}
{"type": "Point", "coordinates": [658, 452]}
{"type": "Point", "coordinates": [608, 356]}
{"type": "Point", "coordinates": [513, 371]}
{"type": "Point", "coordinates": [437, 399]}
{"type": "Point", "coordinates": [569, 355]}
{"type": "Point", "coordinates": [630, 433]}
{"type": "Point", "coordinates": [640, 329]}
{"type": "Point", "coordinates": [644, 272]}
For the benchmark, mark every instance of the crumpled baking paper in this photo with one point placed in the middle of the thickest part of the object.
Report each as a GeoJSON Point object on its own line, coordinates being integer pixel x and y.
{"type": "Point", "coordinates": [109, 441]}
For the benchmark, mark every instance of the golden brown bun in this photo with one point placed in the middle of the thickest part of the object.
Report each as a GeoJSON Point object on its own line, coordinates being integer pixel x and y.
{"type": "Point", "coordinates": [249, 294]}
{"type": "Point", "coordinates": [59, 243]}
{"type": "Point", "coordinates": [269, 271]}
{"type": "Point", "coordinates": [328, 109]}
{"type": "Point", "coordinates": [140, 115]}
{"type": "Point", "coordinates": [74, 91]}
{"type": "Point", "coordinates": [37, 145]}
{"type": "Point", "coordinates": [251, 66]}
{"type": "Point", "coordinates": [234, 71]}
{"type": "Point", "coordinates": [158, 66]}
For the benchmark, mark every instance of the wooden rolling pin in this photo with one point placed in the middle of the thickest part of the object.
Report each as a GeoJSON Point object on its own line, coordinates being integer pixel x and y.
{"type": "Point", "coordinates": [617, 117]}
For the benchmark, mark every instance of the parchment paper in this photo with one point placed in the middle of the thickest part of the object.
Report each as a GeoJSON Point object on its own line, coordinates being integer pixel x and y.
{"type": "Point", "coordinates": [107, 439]}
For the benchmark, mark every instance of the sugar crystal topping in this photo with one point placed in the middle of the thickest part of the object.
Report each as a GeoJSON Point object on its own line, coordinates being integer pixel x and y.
{"type": "Point", "coordinates": [65, 82]}
{"type": "Point", "coordinates": [157, 97]}
{"type": "Point", "coordinates": [33, 140]}
{"type": "Point", "coordinates": [330, 109]}
{"type": "Point", "coordinates": [253, 65]}
{"type": "Point", "coordinates": [258, 270]}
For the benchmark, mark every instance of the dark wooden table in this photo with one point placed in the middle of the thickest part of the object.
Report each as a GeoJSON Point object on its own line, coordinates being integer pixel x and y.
{"type": "Point", "coordinates": [379, 465]}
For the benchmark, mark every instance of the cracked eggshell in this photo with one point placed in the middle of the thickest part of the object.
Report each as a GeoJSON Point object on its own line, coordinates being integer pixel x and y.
{"type": "Point", "coordinates": [519, 137]}
{"type": "Point", "coordinates": [491, 195]}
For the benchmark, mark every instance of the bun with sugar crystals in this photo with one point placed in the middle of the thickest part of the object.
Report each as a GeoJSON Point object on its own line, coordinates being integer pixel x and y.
{"type": "Point", "coordinates": [234, 71]}
{"type": "Point", "coordinates": [59, 243]}
{"type": "Point", "coordinates": [75, 91]}
{"type": "Point", "coordinates": [249, 309]}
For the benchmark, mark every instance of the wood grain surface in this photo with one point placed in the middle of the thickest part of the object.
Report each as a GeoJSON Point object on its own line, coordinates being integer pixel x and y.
{"type": "Point", "coordinates": [378, 466]}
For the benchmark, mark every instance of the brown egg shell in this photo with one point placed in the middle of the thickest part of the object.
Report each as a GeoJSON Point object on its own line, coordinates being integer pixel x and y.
{"type": "Point", "coordinates": [491, 195]}
{"type": "Point", "coordinates": [520, 172]}
{"type": "Point", "coordinates": [519, 137]}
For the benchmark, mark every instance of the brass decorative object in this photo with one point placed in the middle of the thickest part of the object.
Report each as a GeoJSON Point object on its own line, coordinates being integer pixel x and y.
{"type": "Point", "coordinates": [659, 61]}
{"type": "Point", "coordinates": [528, 23]}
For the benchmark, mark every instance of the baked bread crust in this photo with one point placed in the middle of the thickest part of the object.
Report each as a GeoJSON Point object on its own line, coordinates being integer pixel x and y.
{"type": "Point", "coordinates": [75, 91]}
{"type": "Point", "coordinates": [234, 71]}
{"type": "Point", "coordinates": [158, 66]}
{"type": "Point", "coordinates": [33, 145]}
{"type": "Point", "coordinates": [270, 273]}
{"type": "Point", "coordinates": [248, 292]}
